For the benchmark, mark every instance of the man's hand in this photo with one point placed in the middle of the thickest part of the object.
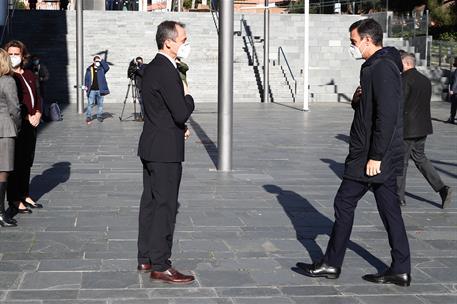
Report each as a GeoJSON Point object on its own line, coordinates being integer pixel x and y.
{"type": "Point", "coordinates": [451, 92]}
{"type": "Point", "coordinates": [356, 97]}
{"type": "Point", "coordinates": [186, 134]}
{"type": "Point", "coordinates": [186, 88]}
{"type": "Point", "coordinates": [373, 167]}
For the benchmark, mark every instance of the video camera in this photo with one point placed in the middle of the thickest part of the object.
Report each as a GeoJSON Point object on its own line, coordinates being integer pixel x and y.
{"type": "Point", "coordinates": [132, 69]}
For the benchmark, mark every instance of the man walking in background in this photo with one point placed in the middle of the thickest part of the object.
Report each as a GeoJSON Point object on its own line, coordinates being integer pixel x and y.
{"type": "Point", "coordinates": [417, 90]}
{"type": "Point", "coordinates": [453, 93]}
{"type": "Point", "coordinates": [167, 106]}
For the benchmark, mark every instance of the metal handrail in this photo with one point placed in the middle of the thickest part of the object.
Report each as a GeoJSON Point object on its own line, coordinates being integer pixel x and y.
{"type": "Point", "coordinates": [215, 16]}
{"type": "Point", "coordinates": [248, 32]}
{"type": "Point", "coordinates": [8, 19]}
{"type": "Point", "coordinates": [281, 51]}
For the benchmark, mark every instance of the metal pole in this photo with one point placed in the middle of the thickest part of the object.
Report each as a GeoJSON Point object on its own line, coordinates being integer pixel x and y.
{"type": "Point", "coordinates": [225, 84]}
{"type": "Point", "coordinates": [79, 56]}
{"type": "Point", "coordinates": [306, 65]}
{"type": "Point", "coordinates": [426, 39]}
{"type": "Point", "coordinates": [266, 53]}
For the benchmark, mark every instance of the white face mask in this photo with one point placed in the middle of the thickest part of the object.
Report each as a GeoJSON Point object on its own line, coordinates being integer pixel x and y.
{"type": "Point", "coordinates": [15, 61]}
{"type": "Point", "coordinates": [97, 63]}
{"type": "Point", "coordinates": [183, 51]}
{"type": "Point", "coordinates": [355, 52]}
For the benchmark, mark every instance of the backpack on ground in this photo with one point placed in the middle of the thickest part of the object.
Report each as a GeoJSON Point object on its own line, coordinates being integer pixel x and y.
{"type": "Point", "coordinates": [54, 112]}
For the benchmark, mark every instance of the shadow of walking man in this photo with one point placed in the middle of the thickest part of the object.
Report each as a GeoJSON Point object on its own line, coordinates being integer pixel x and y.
{"type": "Point", "coordinates": [309, 223]}
{"type": "Point", "coordinates": [50, 178]}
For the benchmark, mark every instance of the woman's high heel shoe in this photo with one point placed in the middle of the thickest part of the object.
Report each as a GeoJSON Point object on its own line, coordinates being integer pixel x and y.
{"type": "Point", "coordinates": [35, 205]}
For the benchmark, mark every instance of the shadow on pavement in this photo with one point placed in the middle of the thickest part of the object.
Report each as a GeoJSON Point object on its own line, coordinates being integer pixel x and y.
{"type": "Point", "coordinates": [309, 223]}
{"type": "Point", "coordinates": [207, 142]}
{"type": "Point", "coordinates": [50, 178]}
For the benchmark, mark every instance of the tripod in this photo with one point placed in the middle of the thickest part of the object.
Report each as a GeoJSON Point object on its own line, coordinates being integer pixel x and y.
{"type": "Point", "coordinates": [134, 95]}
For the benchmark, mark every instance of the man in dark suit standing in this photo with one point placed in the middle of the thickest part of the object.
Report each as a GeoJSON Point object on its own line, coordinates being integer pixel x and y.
{"type": "Point", "coordinates": [417, 125]}
{"type": "Point", "coordinates": [375, 158]}
{"type": "Point", "coordinates": [167, 106]}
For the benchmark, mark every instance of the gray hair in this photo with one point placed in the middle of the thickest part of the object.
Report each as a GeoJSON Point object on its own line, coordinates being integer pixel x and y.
{"type": "Point", "coordinates": [410, 58]}
{"type": "Point", "coordinates": [167, 30]}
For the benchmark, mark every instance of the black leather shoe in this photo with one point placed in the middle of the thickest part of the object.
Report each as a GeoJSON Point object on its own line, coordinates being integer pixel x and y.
{"type": "Point", "coordinates": [320, 269]}
{"type": "Point", "coordinates": [401, 279]}
{"type": "Point", "coordinates": [445, 194]}
{"type": "Point", "coordinates": [402, 203]}
{"type": "Point", "coordinates": [26, 210]}
{"type": "Point", "coordinates": [6, 222]}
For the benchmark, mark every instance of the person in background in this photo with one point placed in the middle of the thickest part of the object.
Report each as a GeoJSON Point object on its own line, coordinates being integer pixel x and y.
{"type": "Point", "coordinates": [96, 87]}
{"type": "Point", "coordinates": [10, 122]}
{"type": "Point", "coordinates": [41, 73]}
{"type": "Point", "coordinates": [63, 5]}
{"type": "Point", "coordinates": [32, 5]}
{"type": "Point", "coordinates": [417, 91]}
{"type": "Point", "coordinates": [24, 154]}
{"type": "Point", "coordinates": [453, 93]}
{"type": "Point", "coordinates": [138, 83]}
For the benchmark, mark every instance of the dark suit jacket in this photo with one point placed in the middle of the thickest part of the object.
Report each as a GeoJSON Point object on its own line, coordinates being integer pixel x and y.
{"type": "Point", "coordinates": [418, 92]}
{"type": "Point", "coordinates": [166, 111]}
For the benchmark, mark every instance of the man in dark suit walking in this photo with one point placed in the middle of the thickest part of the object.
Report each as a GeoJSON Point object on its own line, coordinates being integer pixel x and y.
{"type": "Point", "coordinates": [167, 106]}
{"type": "Point", "coordinates": [375, 158]}
{"type": "Point", "coordinates": [417, 125]}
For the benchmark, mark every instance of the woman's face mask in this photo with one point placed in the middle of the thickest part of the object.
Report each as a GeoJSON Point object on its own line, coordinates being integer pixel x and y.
{"type": "Point", "coordinates": [15, 60]}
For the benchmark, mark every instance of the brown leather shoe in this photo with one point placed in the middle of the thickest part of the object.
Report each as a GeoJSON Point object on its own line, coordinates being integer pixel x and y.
{"type": "Point", "coordinates": [172, 276]}
{"type": "Point", "coordinates": [144, 267]}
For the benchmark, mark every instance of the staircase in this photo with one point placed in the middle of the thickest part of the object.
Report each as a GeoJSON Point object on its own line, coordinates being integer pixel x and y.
{"type": "Point", "coordinates": [122, 36]}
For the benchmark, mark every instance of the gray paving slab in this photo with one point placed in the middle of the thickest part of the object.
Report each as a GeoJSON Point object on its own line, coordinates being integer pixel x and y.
{"type": "Point", "coordinates": [240, 238]}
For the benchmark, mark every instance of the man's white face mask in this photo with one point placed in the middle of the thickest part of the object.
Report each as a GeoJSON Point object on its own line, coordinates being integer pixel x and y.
{"type": "Point", "coordinates": [356, 53]}
{"type": "Point", "coordinates": [183, 51]}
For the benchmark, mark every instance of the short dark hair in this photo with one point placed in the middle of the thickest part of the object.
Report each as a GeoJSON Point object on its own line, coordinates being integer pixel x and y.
{"type": "Point", "coordinates": [96, 57]}
{"type": "Point", "coordinates": [138, 58]}
{"type": "Point", "coordinates": [167, 30]}
{"type": "Point", "coordinates": [368, 27]}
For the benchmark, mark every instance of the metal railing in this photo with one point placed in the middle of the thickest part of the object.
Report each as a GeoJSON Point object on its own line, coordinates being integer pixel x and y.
{"type": "Point", "coordinates": [409, 26]}
{"type": "Point", "coordinates": [253, 58]}
{"type": "Point", "coordinates": [294, 91]}
{"type": "Point", "coordinates": [215, 15]}
{"type": "Point", "coordinates": [442, 53]}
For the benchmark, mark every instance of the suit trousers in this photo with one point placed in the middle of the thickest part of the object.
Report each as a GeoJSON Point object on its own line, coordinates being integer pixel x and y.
{"type": "Point", "coordinates": [158, 210]}
{"type": "Point", "coordinates": [349, 193]}
{"type": "Point", "coordinates": [24, 154]}
{"type": "Point", "coordinates": [414, 149]}
{"type": "Point", "coordinates": [453, 99]}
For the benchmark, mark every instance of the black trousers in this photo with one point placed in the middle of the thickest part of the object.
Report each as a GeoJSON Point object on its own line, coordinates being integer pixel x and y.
{"type": "Point", "coordinates": [24, 154]}
{"type": "Point", "coordinates": [414, 149]}
{"type": "Point", "coordinates": [158, 209]}
{"type": "Point", "coordinates": [349, 193]}
{"type": "Point", "coordinates": [453, 99]}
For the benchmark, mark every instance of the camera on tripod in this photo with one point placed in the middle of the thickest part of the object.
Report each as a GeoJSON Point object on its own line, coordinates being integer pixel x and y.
{"type": "Point", "coordinates": [134, 73]}
{"type": "Point", "coordinates": [132, 69]}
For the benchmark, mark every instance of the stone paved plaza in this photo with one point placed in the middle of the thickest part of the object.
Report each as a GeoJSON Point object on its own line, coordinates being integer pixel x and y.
{"type": "Point", "coordinates": [241, 233]}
